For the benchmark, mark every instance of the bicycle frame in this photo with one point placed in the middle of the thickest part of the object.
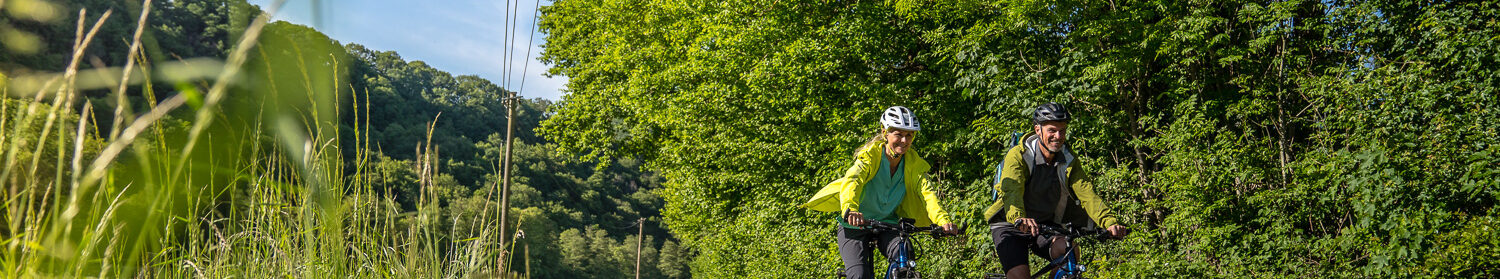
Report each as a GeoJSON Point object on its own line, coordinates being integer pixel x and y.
{"type": "Point", "coordinates": [902, 259]}
{"type": "Point", "coordinates": [1067, 265]}
{"type": "Point", "coordinates": [904, 263]}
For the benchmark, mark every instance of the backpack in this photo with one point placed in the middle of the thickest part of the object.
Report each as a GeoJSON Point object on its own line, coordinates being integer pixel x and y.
{"type": "Point", "coordinates": [1015, 138]}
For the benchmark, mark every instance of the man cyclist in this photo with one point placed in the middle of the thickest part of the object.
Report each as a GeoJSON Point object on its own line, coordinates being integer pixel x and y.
{"type": "Point", "coordinates": [1043, 184]}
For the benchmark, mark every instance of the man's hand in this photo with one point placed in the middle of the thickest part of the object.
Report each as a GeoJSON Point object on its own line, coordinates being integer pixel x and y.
{"type": "Point", "coordinates": [1118, 231]}
{"type": "Point", "coordinates": [1026, 225]}
{"type": "Point", "coordinates": [854, 218]}
{"type": "Point", "coordinates": [949, 229]}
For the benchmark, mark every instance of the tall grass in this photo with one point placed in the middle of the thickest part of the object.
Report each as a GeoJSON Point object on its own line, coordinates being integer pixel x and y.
{"type": "Point", "coordinates": [245, 179]}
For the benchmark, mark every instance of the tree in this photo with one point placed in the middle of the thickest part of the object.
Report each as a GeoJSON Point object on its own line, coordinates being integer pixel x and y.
{"type": "Point", "coordinates": [1242, 137]}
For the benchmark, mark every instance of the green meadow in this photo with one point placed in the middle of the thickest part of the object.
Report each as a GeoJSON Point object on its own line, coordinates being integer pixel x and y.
{"type": "Point", "coordinates": [210, 142]}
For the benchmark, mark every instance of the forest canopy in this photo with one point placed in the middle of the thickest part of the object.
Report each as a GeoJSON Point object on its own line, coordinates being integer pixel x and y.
{"type": "Point", "coordinates": [1238, 138]}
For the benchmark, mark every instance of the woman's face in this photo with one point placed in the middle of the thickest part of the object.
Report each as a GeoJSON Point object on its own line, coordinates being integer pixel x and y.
{"type": "Point", "coordinates": [898, 141]}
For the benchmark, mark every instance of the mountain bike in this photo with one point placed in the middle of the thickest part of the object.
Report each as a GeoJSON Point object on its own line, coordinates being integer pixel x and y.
{"type": "Point", "coordinates": [1067, 265]}
{"type": "Point", "coordinates": [903, 265]}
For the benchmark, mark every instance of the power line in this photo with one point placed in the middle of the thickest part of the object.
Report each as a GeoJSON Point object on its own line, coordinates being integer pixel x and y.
{"type": "Point", "coordinates": [511, 54]}
{"type": "Point", "coordinates": [505, 49]}
{"type": "Point", "coordinates": [535, 12]}
{"type": "Point", "coordinates": [621, 227]}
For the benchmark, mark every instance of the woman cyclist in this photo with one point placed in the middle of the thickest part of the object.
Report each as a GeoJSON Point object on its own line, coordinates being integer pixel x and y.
{"type": "Point", "coordinates": [885, 184]}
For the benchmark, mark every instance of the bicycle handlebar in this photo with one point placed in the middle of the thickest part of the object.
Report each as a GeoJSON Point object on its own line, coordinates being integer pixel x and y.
{"type": "Point", "coordinates": [1075, 233]}
{"type": "Point", "coordinates": [908, 228]}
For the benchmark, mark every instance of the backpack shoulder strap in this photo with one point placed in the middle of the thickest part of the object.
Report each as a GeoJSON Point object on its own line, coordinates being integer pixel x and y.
{"type": "Point", "coordinates": [1030, 158]}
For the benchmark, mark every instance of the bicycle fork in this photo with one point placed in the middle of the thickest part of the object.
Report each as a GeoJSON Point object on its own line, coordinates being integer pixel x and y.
{"type": "Point", "coordinates": [1068, 268]}
{"type": "Point", "coordinates": [902, 265]}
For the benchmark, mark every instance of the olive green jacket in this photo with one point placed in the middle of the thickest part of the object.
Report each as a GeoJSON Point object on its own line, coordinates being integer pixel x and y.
{"type": "Point", "coordinates": [920, 202]}
{"type": "Point", "coordinates": [1017, 170]}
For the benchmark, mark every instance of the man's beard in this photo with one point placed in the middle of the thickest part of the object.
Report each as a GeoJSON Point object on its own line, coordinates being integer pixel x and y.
{"type": "Point", "coordinates": [1048, 147]}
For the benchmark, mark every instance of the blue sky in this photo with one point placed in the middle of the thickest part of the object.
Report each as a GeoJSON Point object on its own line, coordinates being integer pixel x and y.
{"type": "Point", "coordinates": [462, 37]}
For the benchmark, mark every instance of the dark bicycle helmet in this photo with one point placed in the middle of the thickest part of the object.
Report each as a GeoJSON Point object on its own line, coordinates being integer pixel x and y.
{"type": "Point", "coordinates": [1050, 112]}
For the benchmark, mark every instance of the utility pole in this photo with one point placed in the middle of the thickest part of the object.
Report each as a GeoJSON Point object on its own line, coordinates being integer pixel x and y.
{"type": "Point", "coordinates": [510, 116]}
{"type": "Point", "coordinates": [528, 260]}
{"type": "Point", "coordinates": [640, 235]}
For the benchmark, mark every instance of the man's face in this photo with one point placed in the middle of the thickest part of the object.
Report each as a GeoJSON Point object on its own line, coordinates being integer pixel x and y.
{"type": "Point", "coordinates": [1054, 135]}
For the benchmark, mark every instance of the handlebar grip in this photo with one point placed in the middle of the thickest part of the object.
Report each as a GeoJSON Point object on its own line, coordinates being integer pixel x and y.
{"type": "Point", "coordinates": [938, 231]}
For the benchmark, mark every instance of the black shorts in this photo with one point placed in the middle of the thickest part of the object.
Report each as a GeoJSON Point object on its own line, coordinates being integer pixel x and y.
{"type": "Point", "coordinates": [1011, 245]}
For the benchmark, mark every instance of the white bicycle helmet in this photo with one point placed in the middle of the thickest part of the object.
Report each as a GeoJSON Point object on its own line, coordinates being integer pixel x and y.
{"type": "Point", "coordinates": [900, 117]}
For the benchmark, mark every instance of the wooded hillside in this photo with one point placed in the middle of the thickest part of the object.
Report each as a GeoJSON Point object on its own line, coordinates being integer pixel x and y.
{"type": "Point", "coordinates": [407, 156]}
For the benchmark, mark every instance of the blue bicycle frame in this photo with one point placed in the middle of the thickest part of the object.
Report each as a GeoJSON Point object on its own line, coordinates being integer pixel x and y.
{"type": "Point", "coordinates": [901, 260]}
{"type": "Point", "coordinates": [1067, 266]}
{"type": "Point", "coordinates": [904, 263]}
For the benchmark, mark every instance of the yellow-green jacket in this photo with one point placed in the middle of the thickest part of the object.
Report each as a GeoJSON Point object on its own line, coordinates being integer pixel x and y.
{"type": "Point", "coordinates": [920, 202]}
{"type": "Point", "coordinates": [1017, 170]}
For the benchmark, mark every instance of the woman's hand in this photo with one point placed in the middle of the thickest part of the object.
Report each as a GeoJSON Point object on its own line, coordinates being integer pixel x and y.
{"type": "Point", "coordinates": [854, 218]}
{"type": "Point", "coordinates": [1026, 225]}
